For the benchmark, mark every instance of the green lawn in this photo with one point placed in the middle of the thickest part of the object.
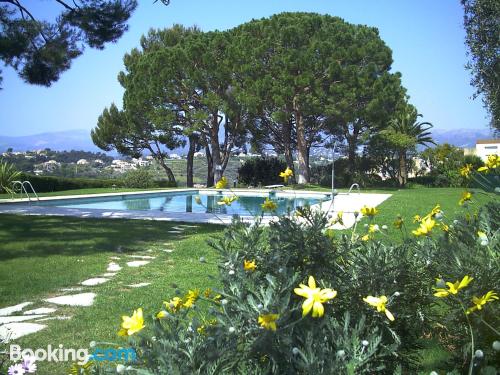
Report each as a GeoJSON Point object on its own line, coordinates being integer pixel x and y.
{"type": "Point", "coordinates": [40, 255]}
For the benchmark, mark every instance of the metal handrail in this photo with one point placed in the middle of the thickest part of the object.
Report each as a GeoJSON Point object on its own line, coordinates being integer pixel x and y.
{"type": "Point", "coordinates": [354, 186]}
{"type": "Point", "coordinates": [32, 189]}
{"type": "Point", "coordinates": [23, 189]}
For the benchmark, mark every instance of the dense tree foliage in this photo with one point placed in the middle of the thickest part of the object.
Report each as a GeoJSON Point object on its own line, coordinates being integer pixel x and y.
{"type": "Point", "coordinates": [286, 82]}
{"type": "Point", "coordinates": [482, 25]}
{"type": "Point", "coordinates": [403, 134]}
{"type": "Point", "coordinates": [311, 74]}
{"type": "Point", "coordinates": [40, 50]}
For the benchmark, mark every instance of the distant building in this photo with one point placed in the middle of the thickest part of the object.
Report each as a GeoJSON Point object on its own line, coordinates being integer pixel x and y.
{"type": "Point", "coordinates": [82, 162]}
{"type": "Point", "coordinates": [141, 162]}
{"type": "Point", "coordinates": [199, 154]}
{"type": "Point", "coordinates": [50, 165]}
{"type": "Point", "coordinates": [484, 148]}
{"type": "Point", "coordinates": [122, 165]}
{"type": "Point", "coordinates": [175, 156]}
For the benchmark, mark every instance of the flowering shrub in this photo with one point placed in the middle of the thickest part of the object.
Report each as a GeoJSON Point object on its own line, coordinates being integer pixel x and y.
{"type": "Point", "coordinates": [295, 297]}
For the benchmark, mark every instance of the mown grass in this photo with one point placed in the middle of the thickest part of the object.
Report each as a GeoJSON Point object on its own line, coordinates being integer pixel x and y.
{"type": "Point", "coordinates": [41, 255]}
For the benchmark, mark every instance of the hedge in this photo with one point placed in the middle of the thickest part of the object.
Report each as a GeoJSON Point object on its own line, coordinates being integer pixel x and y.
{"type": "Point", "coordinates": [44, 184]}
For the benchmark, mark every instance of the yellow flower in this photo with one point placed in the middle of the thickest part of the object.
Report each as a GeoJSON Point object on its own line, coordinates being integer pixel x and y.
{"type": "Point", "coordinates": [453, 288]}
{"type": "Point", "coordinates": [445, 228]}
{"type": "Point", "coordinates": [373, 228]}
{"type": "Point", "coordinates": [369, 211]}
{"type": "Point", "coordinates": [227, 200]}
{"type": "Point", "coordinates": [174, 304]}
{"type": "Point", "coordinates": [268, 321]}
{"type": "Point", "coordinates": [339, 219]}
{"type": "Point", "coordinates": [436, 210]}
{"type": "Point", "coordinates": [398, 223]}
{"type": "Point", "coordinates": [315, 297]}
{"type": "Point", "coordinates": [365, 238]}
{"type": "Point", "coordinates": [191, 298]}
{"type": "Point", "coordinates": [481, 301]}
{"type": "Point", "coordinates": [466, 170]}
{"type": "Point", "coordinates": [493, 162]}
{"type": "Point", "coordinates": [84, 369]}
{"type": "Point", "coordinates": [162, 314]}
{"type": "Point", "coordinates": [425, 227]}
{"type": "Point", "coordinates": [483, 238]}
{"type": "Point", "coordinates": [222, 183]}
{"type": "Point", "coordinates": [249, 265]}
{"type": "Point", "coordinates": [286, 174]}
{"type": "Point", "coordinates": [269, 205]}
{"type": "Point", "coordinates": [417, 219]}
{"type": "Point", "coordinates": [132, 324]}
{"type": "Point", "coordinates": [379, 303]}
{"type": "Point", "coordinates": [466, 197]}
{"type": "Point", "coordinates": [207, 293]}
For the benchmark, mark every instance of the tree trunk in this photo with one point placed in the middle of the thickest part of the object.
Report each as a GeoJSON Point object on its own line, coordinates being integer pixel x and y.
{"type": "Point", "coordinates": [287, 145]}
{"type": "Point", "coordinates": [168, 171]}
{"type": "Point", "coordinates": [214, 144]}
{"type": "Point", "coordinates": [403, 175]}
{"type": "Point", "coordinates": [303, 168]}
{"type": "Point", "coordinates": [210, 169]}
{"type": "Point", "coordinates": [190, 161]}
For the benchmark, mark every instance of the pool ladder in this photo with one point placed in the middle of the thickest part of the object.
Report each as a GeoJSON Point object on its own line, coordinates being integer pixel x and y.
{"type": "Point", "coordinates": [23, 185]}
{"type": "Point", "coordinates": [352, 187]}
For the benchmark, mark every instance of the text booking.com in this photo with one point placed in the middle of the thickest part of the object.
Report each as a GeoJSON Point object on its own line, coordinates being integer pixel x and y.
{"type": "Point", "coordinates": [81, 356]}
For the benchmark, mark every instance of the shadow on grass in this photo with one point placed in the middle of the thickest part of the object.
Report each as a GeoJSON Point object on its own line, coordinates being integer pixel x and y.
{"type": "Point", "coordinates": [27, 236]}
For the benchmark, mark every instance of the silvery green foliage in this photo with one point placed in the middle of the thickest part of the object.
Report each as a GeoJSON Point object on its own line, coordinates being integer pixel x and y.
{"type": "Point", "coordinates": [352, 337]}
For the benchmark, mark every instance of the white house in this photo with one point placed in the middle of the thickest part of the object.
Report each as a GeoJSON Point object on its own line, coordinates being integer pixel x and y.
{"type": "Point", "coordinates": [82, 162]}
{"type": "Point", "coordinates": [487, 147]}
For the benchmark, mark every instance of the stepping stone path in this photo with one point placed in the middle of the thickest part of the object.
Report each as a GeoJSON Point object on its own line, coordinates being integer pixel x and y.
{"type": "Point", "coordinates": [139, 285]}
{"type": "Point", "coordinates": [113, 267]}
{"type": "Point", "coordinates": [77, 289]}
{"type": "Point", "coordinates": [12, 331]}
{"type": "Point", "coordinates": [94, 281]}
{"type": "Point", "coordinates": [12, 309]}
{"type": "Point", "coordinates": [82, 299]}
{"type": "Point", "coordinates": [15, 326]}
{"type": "Point", "coordinates": [14, 318]}
{"type": "Point", "coordinates": [41, 310]}
{"type": "Point", "coordinates": [141, 256]}
{"type": "Point", "coordinates": [137, 263]}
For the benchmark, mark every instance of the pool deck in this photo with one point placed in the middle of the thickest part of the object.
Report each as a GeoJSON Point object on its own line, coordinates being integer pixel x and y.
{"type": "Point", "coordinates": [347, 203]}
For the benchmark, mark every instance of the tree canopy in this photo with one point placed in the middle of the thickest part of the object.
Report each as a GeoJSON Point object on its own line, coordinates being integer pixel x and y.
{"type": "Point", "coordinates": [41, 50]}
{"type": "Point", "coordinates": [482, 25]}
{"type": "Point", "coordinates": [285, 81]}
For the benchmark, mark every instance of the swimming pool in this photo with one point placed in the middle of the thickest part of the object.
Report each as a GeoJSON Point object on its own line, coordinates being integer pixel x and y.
{"type": "Point", "coordinates": [247, 204]}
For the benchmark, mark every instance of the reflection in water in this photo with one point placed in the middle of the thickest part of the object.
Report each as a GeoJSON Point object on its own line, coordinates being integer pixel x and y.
{"type": "Point", "coordinates": [189, 203]}
{"type": "Point", "coordinates": [137, 204]}
{"type": "Point", "coordinates": [166, 201]}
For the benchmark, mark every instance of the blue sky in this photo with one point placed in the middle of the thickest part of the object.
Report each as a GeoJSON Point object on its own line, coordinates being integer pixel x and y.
{"type": "Point", "coordinates": [426, 37]}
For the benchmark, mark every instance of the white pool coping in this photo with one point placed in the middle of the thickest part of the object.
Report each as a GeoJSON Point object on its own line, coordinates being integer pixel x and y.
{"type": "Point", "coordinates": [348, 203]}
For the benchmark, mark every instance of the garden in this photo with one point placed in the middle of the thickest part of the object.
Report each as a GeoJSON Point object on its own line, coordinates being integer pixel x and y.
{"type": "Point", "coordinates": [403, 279]}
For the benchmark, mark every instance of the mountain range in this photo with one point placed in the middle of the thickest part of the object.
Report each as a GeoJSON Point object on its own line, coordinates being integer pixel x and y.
{"type": "Point", "coordinates": [80, 140]}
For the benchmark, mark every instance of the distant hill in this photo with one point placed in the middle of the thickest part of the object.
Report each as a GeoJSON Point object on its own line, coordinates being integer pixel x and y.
{"type": "Point", "coordinates": [57, 141]}
{"type": "Point", "coordinates": [80, 140]}
{"type": "Point", "coordinates": [460, 137]}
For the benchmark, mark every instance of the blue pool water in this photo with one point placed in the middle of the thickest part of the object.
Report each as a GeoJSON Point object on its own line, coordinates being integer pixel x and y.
{"type": "Point", "coordinates": [185, 202]}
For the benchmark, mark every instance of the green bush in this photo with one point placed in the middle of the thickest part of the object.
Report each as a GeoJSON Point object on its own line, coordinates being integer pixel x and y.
{"type": "Point", "coordinates": [44, 184]}
{"type": "Point", "coordinates": [261, 171]}
{"type": "Point", "coordinates": [140, 178]}
{"type": "Point", "coordinates": [8, 174]}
